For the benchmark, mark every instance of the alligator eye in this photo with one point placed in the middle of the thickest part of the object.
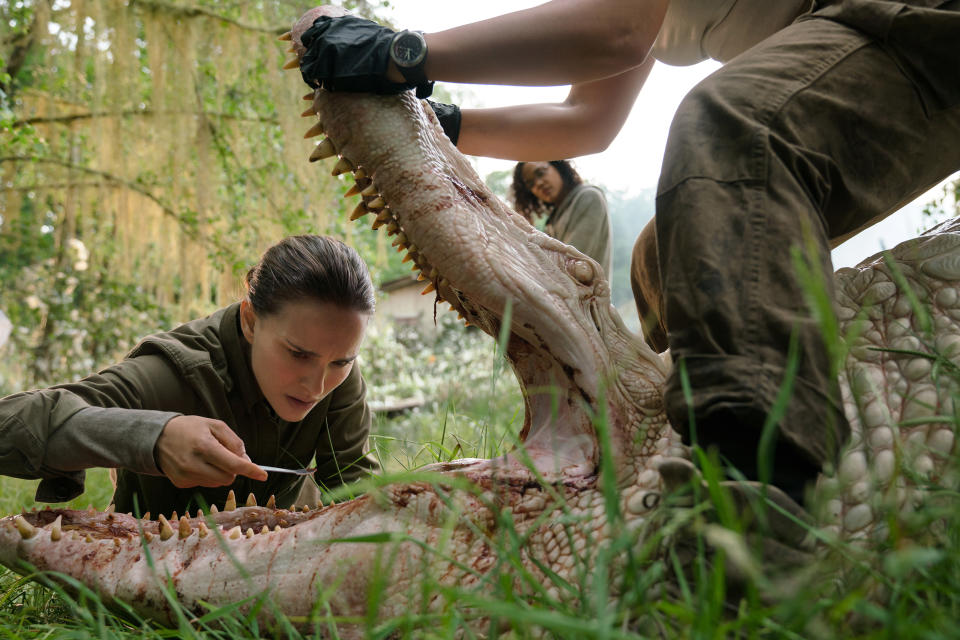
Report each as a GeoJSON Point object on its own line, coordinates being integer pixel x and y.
{"type": "Point", "coordinates": [582, 271]}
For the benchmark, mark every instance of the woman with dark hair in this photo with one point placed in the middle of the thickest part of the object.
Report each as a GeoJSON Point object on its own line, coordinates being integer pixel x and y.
{"type": "Point", "coordinates": [268, 380]}
{"type": "Point", "coordinates": [576, 212]}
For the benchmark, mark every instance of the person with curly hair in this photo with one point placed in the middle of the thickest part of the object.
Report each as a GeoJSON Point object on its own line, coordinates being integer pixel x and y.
{"type": "Point", "coordinates": [576, 212]}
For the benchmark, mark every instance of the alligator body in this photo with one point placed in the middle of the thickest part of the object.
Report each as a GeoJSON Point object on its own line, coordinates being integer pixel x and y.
{"type": "Point", "coordinates": [572, 486]}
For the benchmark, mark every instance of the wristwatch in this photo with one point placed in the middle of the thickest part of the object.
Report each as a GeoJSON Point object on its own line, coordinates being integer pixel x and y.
{"type": "Point", "coordinates": [408, 50]}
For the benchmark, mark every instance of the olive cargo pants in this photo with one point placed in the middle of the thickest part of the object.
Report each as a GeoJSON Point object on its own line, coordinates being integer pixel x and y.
{"type": "Point", "coordinates": [817, 132]}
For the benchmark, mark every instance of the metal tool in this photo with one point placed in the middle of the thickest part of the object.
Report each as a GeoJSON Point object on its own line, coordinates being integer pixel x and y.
{"type": "Point", "coordinates": [296, 472]}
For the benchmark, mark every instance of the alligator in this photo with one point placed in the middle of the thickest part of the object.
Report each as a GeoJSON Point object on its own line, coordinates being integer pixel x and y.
{"type": "Point", "coordinates": [586, 475]}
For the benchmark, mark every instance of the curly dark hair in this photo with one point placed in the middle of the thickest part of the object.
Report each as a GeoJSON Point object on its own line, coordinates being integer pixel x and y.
{"type": "Point", "coordinates": [527, 204]}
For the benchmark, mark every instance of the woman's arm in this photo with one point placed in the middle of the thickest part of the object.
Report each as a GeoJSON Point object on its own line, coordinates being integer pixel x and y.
{"type": "Point", "coordinates": [586, 122]}
{"type": "Point", "coordinates": [556, 43]}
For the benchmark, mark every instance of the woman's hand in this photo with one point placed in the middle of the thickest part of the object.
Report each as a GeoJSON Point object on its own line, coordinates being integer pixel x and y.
{"type": "Point", "coordinates": [195, 451]}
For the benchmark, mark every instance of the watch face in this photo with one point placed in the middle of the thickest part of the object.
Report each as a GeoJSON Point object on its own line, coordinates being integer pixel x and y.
{"type": "Point", "coordinates": [408, 49]}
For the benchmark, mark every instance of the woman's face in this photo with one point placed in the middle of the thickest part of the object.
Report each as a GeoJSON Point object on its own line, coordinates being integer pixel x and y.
{"type": "Point", "coordinates": [544, 181]}
{"type": "Point", "coordinates": [302, 352]}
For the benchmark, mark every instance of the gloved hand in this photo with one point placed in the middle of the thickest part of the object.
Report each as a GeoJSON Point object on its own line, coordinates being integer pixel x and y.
{"type": "Point", "coordinates": [348, 53]}
{"type": "Point", "coordinates": [449, 117]}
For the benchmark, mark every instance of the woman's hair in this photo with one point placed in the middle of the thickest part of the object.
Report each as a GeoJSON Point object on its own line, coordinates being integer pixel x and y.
{"type": "Point", "coordinates": [528, 204]}
{"type": "Point", "coordinates": [310, 267]}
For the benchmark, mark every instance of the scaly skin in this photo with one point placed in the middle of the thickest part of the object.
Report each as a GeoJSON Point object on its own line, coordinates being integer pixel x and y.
{"type": "Point", "coordinates": [575, 361]}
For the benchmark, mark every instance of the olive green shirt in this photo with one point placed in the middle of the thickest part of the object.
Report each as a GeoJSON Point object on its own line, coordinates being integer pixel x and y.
{"type": "Point", "coordinates": [581, 220]}
{"type": "Point", "coordinates": [114, 418]}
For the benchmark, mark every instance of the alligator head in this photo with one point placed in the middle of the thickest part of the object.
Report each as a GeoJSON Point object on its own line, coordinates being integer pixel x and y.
{"type": "Point", "coordinates": [594, 426]}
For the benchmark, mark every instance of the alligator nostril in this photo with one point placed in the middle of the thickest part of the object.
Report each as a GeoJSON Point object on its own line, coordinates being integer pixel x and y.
{"type": "Point", "coordinates": [582, 271]}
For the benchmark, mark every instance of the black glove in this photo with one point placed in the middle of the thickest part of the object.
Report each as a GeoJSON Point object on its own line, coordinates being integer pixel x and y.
{"type": "Point", "coordinates": [348, 53]}
{"type": "Point", "coordinates": [449, 117]}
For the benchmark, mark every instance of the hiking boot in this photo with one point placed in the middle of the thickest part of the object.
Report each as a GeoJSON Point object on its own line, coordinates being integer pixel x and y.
{"type": "Point", "coordinates": [763, 533]}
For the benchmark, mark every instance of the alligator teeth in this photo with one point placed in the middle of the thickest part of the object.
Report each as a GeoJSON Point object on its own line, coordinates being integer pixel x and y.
{"type": "Point", "coordinates": [411, 255]}
{"type": "Point", "coordinates": [249, 532]}
{"type": "Point", "coordinates": [369, 191]}
{"type": "Point", "coordinates": [314, 131]}
{"type": "Point", "coordinates": [392, 228]}
{"type": "Point", "coordinates": [174, 516]}
{"type": "Point", "coordinates": [420, 276]}
{"type": "Point", "coordinates": [359, 212]}
{"type": "Point", "coordinates": [56, 529]}
{"type": "Point", "coordinates": [319, 503]}
{"type": "Point", "coordinates": [251, 500]}
{"type": "Point", "coordinates": [87, 538]}
{"type": "Point", "coordinates": [116, 542]}
{"type": "Point", "coordinates": [376, 204]}
{"type": "Point", "coordinates": [166, 531]}
{"type": "Point", "coordinates": [272, 502]}
{"type": "Point", "coordinates": [292, 49]}
{"type": "Point", "coordinates": [309, 113]}
{"type": "Point", "coordinates": [202, 530]}
{"type": "Point", "coordinates": [428, 289]}
{"type": "Point", "coordinates": [185, 529]}
{"type": "Point", "coordinates": [26, 529]}
{"type": "Point", "coordinates": [277, 527]}
{"type": "Point", "coordinates": [354, 190]}
{"type": "Point", "coordinates": [292, 64]}
{"type": "Point", "coordinates": [305, 509]}
{"type": "Point", "coordinates": [400, 239]}
{"type": "Point", "coordinates": [148, 536]}
{"type": "Point", "coordinates": [214, 509]}
{"type": "Point", "coordinates": [323, 150]}
{"type": "Point", "coordinates": [265, 529]}
{"type": "Point", "coordinates": [343, 166]}
{"type": "Point", "coordinates": [360, 174]}
{"type": "Point", "coordinates": [309, 96]}
{"type": "Point", "coordinates": [287, 37]}
{"type": "Point", "coordinates": [234, 533]}
{"type": "Point", "coordinates": [231, 502]}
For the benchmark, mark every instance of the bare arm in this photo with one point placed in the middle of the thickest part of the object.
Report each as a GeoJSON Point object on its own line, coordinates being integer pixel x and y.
{"type": "Point", "coordinates": [586, 122]}
{"type": "Point", "coordinates": [556, 43]}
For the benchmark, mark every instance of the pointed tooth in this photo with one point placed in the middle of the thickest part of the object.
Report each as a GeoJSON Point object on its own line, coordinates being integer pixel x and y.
{"type": "Point", "coordinates": [231, 502]}
{"type": "Point", "coordinates": [309, 112]}
{"type": "Point", "coordinates": [185, 529]}
{"type": "Point", "coordinates": [200, 514]}
{"type": "Point", "coordinates": [292, 49]}
{"type": "Point", "coordinates": [410, 256]}
{"type": "Point", "coordinates": [360, 174]}
{"type": "Point", "coordinates": [26, 529]}
{"type": "Point", "coordinates": [166, 531]}
{"type": "Point", "coordinates": [265, 529]}
{"type": "Point", "coordinates": [147, 536]}
{"type": "Point", "coordinates": [428, 289]}
{"type": "Point", "coordinates": [314, 131]}
{"type": "Point", "coordinates": [385, 216]}
{"type": "Point", "coordinates": [116, 542]}
{"type": "Point", "coordinates": [287, 37]}
{"type": "Point", "coordinates": [420, 276]}
{"type": "Point", "coordinates": [251, 500]}
{"type": "Point", "coordinates": [146, 516]}
{"type": "Point", "coordinates": [88, 538]}
{"type": "Point", "coordinates": [174, 516]}
{"type": "Point", "coordinates": [354, 190]}
{"type": "Point", "coordinates": [377, 224]}
{"type": "Point", "coordinates": [309, 96]}
{"type": "Point", "coordinates": [376, 204]}
{"type": "Point", "coordinates": [401, 239]}
{"type": "Point", "coordinates": [305, 509]}
{"type": "Point", "coordinates": [371, 190]}
{"type": "Point", "coordinates": [319, 503]}
{"type": "Point", "coordinates": [56, 529]}
{"type": "Point", "coordinates": [277, 527]}
{"type": "Point", "coordinates": [392, 228]}
{"type": "Point", "coordinates": [343, 166]}
{"type": "Point", "coordinates": [214, 509]}
{"type": "Point", "coordinates": [202, 529]}
{"type": "Point", "coordinates": [323, 150]}
{"type": "Point", "coordinates": [234, 533]}
{"type": "Point", "coordinates": [272, 502]}
{"type": "Point", "coordinates": [332, 502]}
{"type": "Point", "coordinates": [292, 64]}
{"type": "Point", "coordinates": [359, 212]}
{"type": "Point", "coordinates": [249, 532]}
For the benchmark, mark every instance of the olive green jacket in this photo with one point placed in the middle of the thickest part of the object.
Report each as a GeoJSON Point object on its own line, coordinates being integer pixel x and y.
{"type": "Point", "coordinates": [581, 220]}
{"type": "Point", "coordinates": [114, 418]}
